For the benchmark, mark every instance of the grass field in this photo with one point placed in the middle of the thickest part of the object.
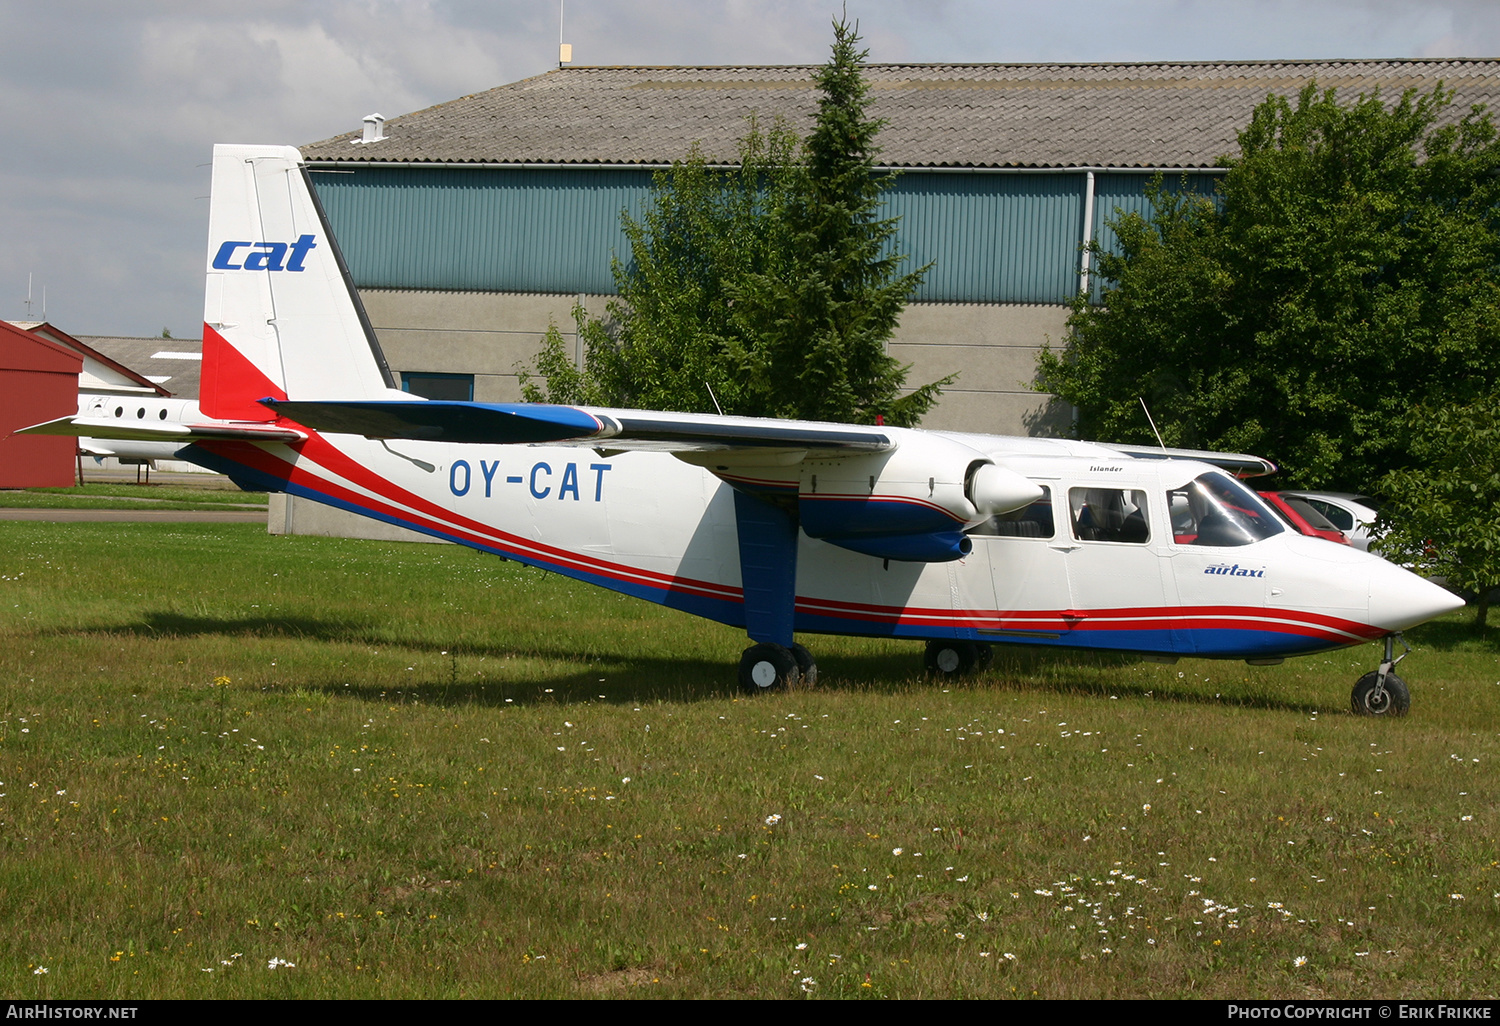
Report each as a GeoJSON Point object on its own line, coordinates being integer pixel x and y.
{"type": "Point", "coordinates": [131, 496]}
{"type": "Point", "coordinates": [415, 771]}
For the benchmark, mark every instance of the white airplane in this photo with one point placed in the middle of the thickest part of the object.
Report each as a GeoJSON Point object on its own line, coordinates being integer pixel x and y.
{"type": "Point", "coordinates": [780, 527]}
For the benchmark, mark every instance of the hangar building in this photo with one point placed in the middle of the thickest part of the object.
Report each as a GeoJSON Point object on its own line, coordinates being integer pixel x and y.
{"type": "Point", "coordinates": [471, 225]}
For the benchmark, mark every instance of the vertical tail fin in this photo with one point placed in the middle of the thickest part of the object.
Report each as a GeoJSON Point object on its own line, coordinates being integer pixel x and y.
{"type": "Point", "coordinates": [281, 317]}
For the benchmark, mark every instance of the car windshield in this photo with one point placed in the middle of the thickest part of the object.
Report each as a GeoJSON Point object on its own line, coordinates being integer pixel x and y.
{"type": "Point", "coordinates": [1215, 509]}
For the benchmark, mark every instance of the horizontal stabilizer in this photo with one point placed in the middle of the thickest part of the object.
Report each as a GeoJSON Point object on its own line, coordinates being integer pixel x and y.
{"type": "Point", "coordinates": [163, 431]}
{"type": "Point", "coordinates": [1237, 463]}
{"type": "Point", "coordinates": [522, 423]}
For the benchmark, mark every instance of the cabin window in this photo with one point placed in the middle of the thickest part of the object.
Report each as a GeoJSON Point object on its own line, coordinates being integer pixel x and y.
{"type": "Point", "coordinates": [439, 386]}
{"type": "Point", "coordinates": [1218, 510]}
{"type": "Point", "coordinates": [1033, 521]}
{"type": "Point", "coordinates": [1109, 515]}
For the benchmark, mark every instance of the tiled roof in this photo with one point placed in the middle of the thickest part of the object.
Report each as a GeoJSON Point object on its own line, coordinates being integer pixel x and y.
{"type": "Point", "coordinates": [937, 115]}
{"type": "Point", "coordinates": [176, 364]}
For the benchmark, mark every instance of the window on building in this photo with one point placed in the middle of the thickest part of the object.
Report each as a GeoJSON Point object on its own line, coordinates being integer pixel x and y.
{"type": "Point", "coordinates": [439, 386]}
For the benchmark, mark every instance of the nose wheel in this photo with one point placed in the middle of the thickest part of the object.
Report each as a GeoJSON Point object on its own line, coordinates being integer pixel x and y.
{"type": "Point", "coordinates": [1380, 692]}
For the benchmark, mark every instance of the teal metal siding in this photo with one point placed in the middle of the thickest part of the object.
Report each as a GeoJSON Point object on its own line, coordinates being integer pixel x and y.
{"type": "Point", "coordinates": [991, 238]}
{"type": "Point", "coordinates": [1117, 193]}
{"type": "Point", "coordinates": [481, 229]}
{"type": "Point", "coordinates": [1007, 238]}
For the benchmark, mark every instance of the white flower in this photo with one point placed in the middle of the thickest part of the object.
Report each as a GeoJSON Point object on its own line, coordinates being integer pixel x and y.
{"type": "Point", "coordinates": [1010, 957]}
{"type": "Point", "coordinates": [1456, 897]}
{"type": "Point", "coordinates": [275, 962]}
{"type": "Point", "coordinates": [773, 819]}
{"type": "Point", "coordinates": [959, 936]}
{"type": "Point", "coordinates": [1299, 961]}
{"type": "Point", "coordinates": [40, 970]}
{"type": "Point", "coordinates": [802, 946]}
{"type": "Point", "coordinates": [897, 851]}
{"type": "Point", "coordinates": [808, 983]}
{"type": "Point", "coordinates": [874, 888]}
{"type": "Point", "coordinates": [983, 917]}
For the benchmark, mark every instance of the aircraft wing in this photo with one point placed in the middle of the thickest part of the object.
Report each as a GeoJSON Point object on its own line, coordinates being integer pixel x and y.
{"type": "Point", "coordinates": [619, 430]}
{"type": "Point", "coordinates": [1237, 463]}
{"type": "Point", "coordinates": [164, 431]}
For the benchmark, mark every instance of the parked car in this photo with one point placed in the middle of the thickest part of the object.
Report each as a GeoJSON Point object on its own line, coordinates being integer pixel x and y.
{"type": "Point", "coordinates": [1352, 514]}
{"type": "Point", "coordinates": [1303, 517]}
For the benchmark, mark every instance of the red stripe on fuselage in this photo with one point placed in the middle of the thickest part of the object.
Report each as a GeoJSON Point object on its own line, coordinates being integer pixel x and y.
{"type": "Point", "coordinates": [432, 516]}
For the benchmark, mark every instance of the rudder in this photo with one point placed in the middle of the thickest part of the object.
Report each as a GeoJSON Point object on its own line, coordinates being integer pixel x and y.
{"type": "Point", "coordinates": [281, 316]}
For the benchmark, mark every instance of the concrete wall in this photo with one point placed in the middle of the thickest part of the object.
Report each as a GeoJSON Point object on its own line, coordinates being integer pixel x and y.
{"type": "Point", "coordinates": [992, 348]}
{"type": "Point", "coordinates": [291, 514]}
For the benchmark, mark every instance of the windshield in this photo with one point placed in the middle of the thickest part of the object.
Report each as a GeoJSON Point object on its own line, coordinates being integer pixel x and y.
{"type": "Point", "coordinates": [1215, 509]}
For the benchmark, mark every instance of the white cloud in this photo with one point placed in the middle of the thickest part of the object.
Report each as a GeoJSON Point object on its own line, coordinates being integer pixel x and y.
{"type": "Point", "coordinates": [109, 115]}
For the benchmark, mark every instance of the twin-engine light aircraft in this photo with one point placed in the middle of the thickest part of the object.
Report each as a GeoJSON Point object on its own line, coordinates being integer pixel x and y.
{"type": "Point", "coordinates": [780, 527]}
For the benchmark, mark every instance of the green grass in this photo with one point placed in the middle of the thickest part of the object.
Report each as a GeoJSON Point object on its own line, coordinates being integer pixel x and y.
{"type": "Point", "coordinates": [404, 769]}
{"type": "Point", "coordinates": [128, 496]}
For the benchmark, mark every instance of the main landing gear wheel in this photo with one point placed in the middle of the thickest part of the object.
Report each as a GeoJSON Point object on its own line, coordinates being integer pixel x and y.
{"type": "Point", "coordinates": [769, 667]}
{"type": "Point", "coordinates": [956, 658]}
{"type": "Point", "coordinates": [807, 670]}
{"type": "Point", "coordinates": [1369, 699]}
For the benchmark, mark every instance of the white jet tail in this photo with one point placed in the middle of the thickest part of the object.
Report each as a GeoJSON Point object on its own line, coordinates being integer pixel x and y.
{"type": "Point", "coordinates": [281, 317]}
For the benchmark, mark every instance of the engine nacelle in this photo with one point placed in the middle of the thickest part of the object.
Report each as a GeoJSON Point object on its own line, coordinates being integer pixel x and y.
{"type": "Point", "coordinates": [912, 503]}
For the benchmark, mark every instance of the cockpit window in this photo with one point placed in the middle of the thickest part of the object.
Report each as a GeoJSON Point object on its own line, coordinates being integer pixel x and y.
{"type": "Point", "coordinates": [1033, 521]}
{"type": "Point", "coordinates": [1109, 514]}
{"type": "Point", "coordinates": [1217, 510]}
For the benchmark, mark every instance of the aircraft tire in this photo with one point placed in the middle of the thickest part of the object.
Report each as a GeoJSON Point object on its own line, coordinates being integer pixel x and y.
{"type": "Point", "coordinates": [807, 669]}
{"type": "Point", "coordinates": [767, 667]}
{"type": "Point", "coordinates": [951, 658]}
{"type": "Point", "coordinates": [1395, 702]}
{"type": "Point", "coordinates": [986, 656]}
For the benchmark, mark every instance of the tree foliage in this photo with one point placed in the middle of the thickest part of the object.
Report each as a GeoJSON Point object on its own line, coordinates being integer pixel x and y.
{"type": "Point", "coordinates": [1444, 512]}
{"type": "Point", "coordinates": [771, 288]}
{"type": "Point", "coordinates": [1345, 272]}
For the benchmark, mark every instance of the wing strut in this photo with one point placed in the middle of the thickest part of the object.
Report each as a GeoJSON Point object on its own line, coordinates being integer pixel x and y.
{"type": "Point", "coordinates": [768, 568]}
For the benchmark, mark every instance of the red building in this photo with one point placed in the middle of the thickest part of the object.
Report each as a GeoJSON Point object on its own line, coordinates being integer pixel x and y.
{"type": "Point", "coordinates": [38, 382]}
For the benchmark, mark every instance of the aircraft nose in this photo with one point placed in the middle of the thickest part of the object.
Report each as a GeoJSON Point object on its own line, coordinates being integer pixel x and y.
{"type": "Point", "coordinates": [1400, 599]}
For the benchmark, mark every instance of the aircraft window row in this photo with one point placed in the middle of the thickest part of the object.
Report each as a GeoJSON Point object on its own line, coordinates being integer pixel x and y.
{"type": "Point", "coordinates": [140, 413]}
{"type": "Point", "coordinates": [1217, 510]}
{"type": "Point", "coordinates": [1033, 521]}
{"type": "Point", "coordinates": [1109, 515]}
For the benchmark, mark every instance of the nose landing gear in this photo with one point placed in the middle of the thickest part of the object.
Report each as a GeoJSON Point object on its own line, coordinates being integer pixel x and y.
{"type": "Point", "coordinates": [1380, 692]}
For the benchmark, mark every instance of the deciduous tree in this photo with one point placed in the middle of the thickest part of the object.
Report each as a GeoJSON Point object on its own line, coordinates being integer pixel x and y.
{"type": "Point", "coordinates": [1346, 271]}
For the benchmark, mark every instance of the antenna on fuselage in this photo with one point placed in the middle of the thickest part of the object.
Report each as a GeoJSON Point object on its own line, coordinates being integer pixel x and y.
{"type": "Point", "coordinates": [714, 398]}
{"type": "Point", "coordinates": [1152, 423]}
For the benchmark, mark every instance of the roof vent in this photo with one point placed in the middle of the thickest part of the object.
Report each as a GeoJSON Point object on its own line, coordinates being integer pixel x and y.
{"type": "Point", "coordinates": [374, 129]}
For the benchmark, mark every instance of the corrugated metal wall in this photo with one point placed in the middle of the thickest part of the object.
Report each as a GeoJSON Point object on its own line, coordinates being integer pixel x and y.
{"type": "Point", "coordinates": [1117, 193]}
{"type": "Point", "coordinates": [481, 229]}
{"type": "Point", "coordinates": [1008, 238]}
{"type": "Point", "coordinates": [991, 238]}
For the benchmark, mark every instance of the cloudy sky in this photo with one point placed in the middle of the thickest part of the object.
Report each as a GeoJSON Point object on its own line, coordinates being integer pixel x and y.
{"type": "Point", "coordinates": [109, 109]}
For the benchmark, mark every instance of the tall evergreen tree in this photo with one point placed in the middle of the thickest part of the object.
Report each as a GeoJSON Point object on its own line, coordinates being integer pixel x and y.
{"type": "Point", "coordinates": [771, 288]}
{"type": "Point", "coordinates": [820, 320]}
